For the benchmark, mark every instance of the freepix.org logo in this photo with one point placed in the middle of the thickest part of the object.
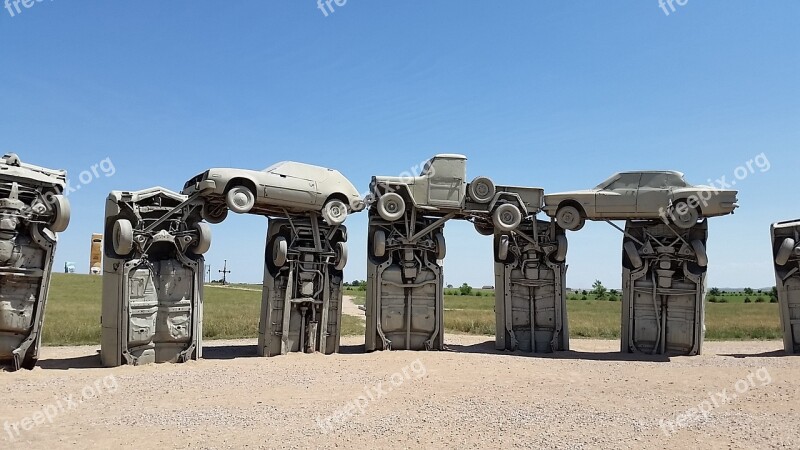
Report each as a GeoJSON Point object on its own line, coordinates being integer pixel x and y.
{"type": "Point", "coordinates": [15, 7]}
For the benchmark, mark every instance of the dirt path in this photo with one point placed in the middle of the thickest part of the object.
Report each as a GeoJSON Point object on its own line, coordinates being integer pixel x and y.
{"type": "Point", "coordinates": [470, 396]}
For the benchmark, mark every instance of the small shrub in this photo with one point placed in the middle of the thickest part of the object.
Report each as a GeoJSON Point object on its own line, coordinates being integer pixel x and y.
{"type": "Point", "coordinates": [584, 297]}
{"type": "Point", "coordinates": [713, 299]}
{"type": "Point", "coordinates": [761, 300]}
{"type": "Point", "coordinates": [773, 300]}
{"type": "Point", "coordinates": [747, 300]}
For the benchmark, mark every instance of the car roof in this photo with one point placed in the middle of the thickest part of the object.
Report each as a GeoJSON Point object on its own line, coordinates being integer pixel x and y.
{"type": "Point", "coordinates": [671, 172]}
{"type": "Point", "coordinates": [300, 170]}
{"type": "Point", "coordinates": [450, 156]}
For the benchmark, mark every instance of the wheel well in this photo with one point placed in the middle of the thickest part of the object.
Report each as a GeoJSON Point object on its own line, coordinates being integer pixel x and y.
{"type": "Point", "coordinates": [574, 204]}
{"type": "Point", "coordinates": [338, 196]}
{"type": "Point", "coordinates": [242, 182]}
{"type": "Point", "coordinates": [686, 200]}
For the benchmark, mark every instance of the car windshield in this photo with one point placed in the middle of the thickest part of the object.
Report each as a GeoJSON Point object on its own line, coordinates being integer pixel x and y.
{"type": "Point", "coordinates": [608, 181]}
{"type": "Point", "coordinates": [274, 166]}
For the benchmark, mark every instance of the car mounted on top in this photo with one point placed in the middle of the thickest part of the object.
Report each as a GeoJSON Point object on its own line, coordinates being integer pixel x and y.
{"type": "Point", "coordinates": [640, 195]}
{"type": "Point", "coordinates": [282, 189]}
{"type": "Point", "coordinates": [441, 190]}
{"type": "Point", "coordinates": [32, 211]}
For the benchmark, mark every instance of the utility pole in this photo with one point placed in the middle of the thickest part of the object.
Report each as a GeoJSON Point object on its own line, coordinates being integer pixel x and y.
{"type": "Point", "coordinates": [225, 273]}
{"type": "Point", "coordinates": [208, 273]}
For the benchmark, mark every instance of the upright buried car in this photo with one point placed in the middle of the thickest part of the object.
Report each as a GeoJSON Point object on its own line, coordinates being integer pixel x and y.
{"type": "Point", "coordinates": [640, 195]}
{"type": "Point", "coordinates": [31, 212]}
{"type": "Point", "coordinates": [152, 278]}
{"type": "Point", "coordinates": [786, 252]}
{"type": "Point", "coordinates": [283, 188]}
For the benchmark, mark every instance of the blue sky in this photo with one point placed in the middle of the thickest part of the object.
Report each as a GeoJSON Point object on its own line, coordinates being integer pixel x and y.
{"type": "Point", "coordinates": [554, 94]}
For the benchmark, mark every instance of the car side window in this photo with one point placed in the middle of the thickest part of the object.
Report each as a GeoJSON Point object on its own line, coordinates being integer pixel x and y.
{"type": "Point", "coordinates": [625, 181]}
{"type": "Point", "coordinates": [654, 181]}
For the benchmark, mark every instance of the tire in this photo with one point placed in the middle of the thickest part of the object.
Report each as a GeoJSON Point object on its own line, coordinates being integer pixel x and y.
{"type": "Point", "coordinates": [209, 216]}
{"type": "Point", "coordinates": [280, 249]}
{"type": "Point", "coordinates": [240, 199]}
{"type": "Point", "coordinates": [391, 206]}
{"type": "Point", "coordinates": [484, 229]}
{"type": "Point", "coordinates": [633, 254]}
{"type": "Point", "coordinates": [122, 237]}
{"type": "Point", "coordinates": [334, 212]}
{"type": "Point", "coordinates": [784, 251]}
{"type": "Point", "coordinates": [502, 248]}
{"type": "Point", "coordinates": [686, 220]}
{"type": "Point", "coordinates": [561, 251]}
{"type": "Point", "coordinates": [507, 217]}
{"type": "Point", "coordinates": [379, 243]}
{"type": "Point", "coordinates": [62, 214]}
{"type": "Point", "coordinates": [482, 190]}
{"type": "Point", "coordinates": [569, 218]}
{"type": "Point", "coordinates": [700, 252]}
{"type": "Point", "coordinates": [203, 244]}
{"type": "Point", "coordinates": [341, 256]}
{"type": "Point", "coordinates": [441, 246]}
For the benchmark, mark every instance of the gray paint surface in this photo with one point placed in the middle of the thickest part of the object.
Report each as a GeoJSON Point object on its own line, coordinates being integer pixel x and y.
{"type": "Point", "coordinates": [786, 260]}
{"type": "Point", "coordinates": [301, 309]}
{"type": "Point", "coordinates": [27, 247]}
{"type": "Point", "coordinates": [530, 288]}
{"type": "Point", "coordinates": [663, 288]}
{"type": "Point", "coordinates": [153, 292]}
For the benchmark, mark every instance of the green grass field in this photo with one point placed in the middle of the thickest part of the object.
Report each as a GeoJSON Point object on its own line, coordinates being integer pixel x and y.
{"type": "Point", "coordinates": [733, 320]}
{"type": "Point", "coordinates": [73, 314]}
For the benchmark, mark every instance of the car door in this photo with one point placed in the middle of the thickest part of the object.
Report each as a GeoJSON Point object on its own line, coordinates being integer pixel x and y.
{"type": "Point", "coordinates": [618, 198]}
{"type": "Point", "coordinates": [446, 183]}
{"type": "Point", "coordinates": [654, 194]}
{"type": "Point", "coordinates": [286, 190]}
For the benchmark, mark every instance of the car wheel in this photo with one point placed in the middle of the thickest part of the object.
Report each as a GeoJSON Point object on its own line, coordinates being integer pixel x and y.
{"type": "Point", "coordinates": [484, 229]}
{"type": "Point", "coordinates": [334, 212]}
{"type": "Point", "coordinates": [507, 217]}
{"type": "Point", "coordinates": [441, 246]}
{"type": "Point", "coordinates": [203, 244]}
{"type": "Point", "coordinates": [213, 214]}
{"type": "Point", "coordinates": [700, 252]}
{"type": "Point", "coordinates": [61, 212]}
{"type": "Point", "coordinates": [684, 216]}
{"type": "Point", "coordinates": [502, 248]}
{"type": "Point", "coordinates": [784, 251]}
{"type": "Point", "coordinates": [482, 190]}
{"type": "Point", "coordinates": [240, 199]}
{"type": "Point", "coordinates": [561, 251]}
{"type": "Point", "coordinates": [379, 243]}
{"type": "Point", "coordinates": [341, 256]}
{"type": "Point", "coordinates": [633, 254]}
{"type": "Point", "coordinates": [122, 237]}
{"type": "Point", "coordinates": [280, 251]}
{"type": "Point", "coordinates": [569, 218]}
{"type": "Point", "coordinates": [391, 206]}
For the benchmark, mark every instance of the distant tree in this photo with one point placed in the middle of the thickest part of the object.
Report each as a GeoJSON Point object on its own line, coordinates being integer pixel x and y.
{"type": "Point", "coordinates": [584, 297]}
{"type": "Point", "coordinates": [773, 295]}
{"type": "Point", "coordinates": [449, 286]}
{"type": "Point", "coordinates": [465, 289]}
{"type": "Point", "coordinates": [715, 292]}
{"type": "Point", "coordinates": [599, 290]}
{"type": "Point", "coordinates": [613, 292]}
{"type": "Point", "coordinates": [612, 297]}
{"type": "Point", "coordinates": [748, 291]}
{"type": "Point", "coordinates": [747, 300]}
{"type": "Point", "coordinates": [584, 293]}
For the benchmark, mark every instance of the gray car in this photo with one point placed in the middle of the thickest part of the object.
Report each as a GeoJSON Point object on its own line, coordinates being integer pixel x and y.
{"type": "Point", "coordinates": [286, 187]}
{"type": "Point", "coordinates": [640, 195]}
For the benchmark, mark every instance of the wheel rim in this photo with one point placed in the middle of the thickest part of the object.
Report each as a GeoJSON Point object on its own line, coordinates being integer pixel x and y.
{"type": "Point", "coordinates": [568, 218]}
{"type": "Point", "coordinates": [240, 199]}
{"type": "Point", "coordinates": [507, 217]}
{"type": "Point", "coordinates": [482, 190]}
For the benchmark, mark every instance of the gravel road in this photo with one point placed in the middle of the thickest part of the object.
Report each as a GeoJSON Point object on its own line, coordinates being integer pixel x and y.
{"type": "Point", "coordinates": [469, 396]}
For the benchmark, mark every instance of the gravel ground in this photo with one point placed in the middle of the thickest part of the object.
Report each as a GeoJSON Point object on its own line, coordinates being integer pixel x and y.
{"type": "Point", "coordinates": [469, 396]}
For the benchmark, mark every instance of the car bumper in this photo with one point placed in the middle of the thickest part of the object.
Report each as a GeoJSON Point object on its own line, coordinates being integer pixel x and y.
{"type": "Point", "coordinates": [357, 205]}
{"type": "Point", "coordinates": [200, 186]}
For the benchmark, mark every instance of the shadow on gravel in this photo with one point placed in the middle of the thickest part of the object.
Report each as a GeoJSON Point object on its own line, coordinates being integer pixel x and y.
{"type": "Point", "coordinates": [79, 362]}
{"type": "Point", "coordinates": [230, 352]}
{"type": "Point", "coordinates": [487, 348]}
{"type": "Point", "coordinates": [352, 349]}
{"type": "Point", "coordinates": [772, 354]}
